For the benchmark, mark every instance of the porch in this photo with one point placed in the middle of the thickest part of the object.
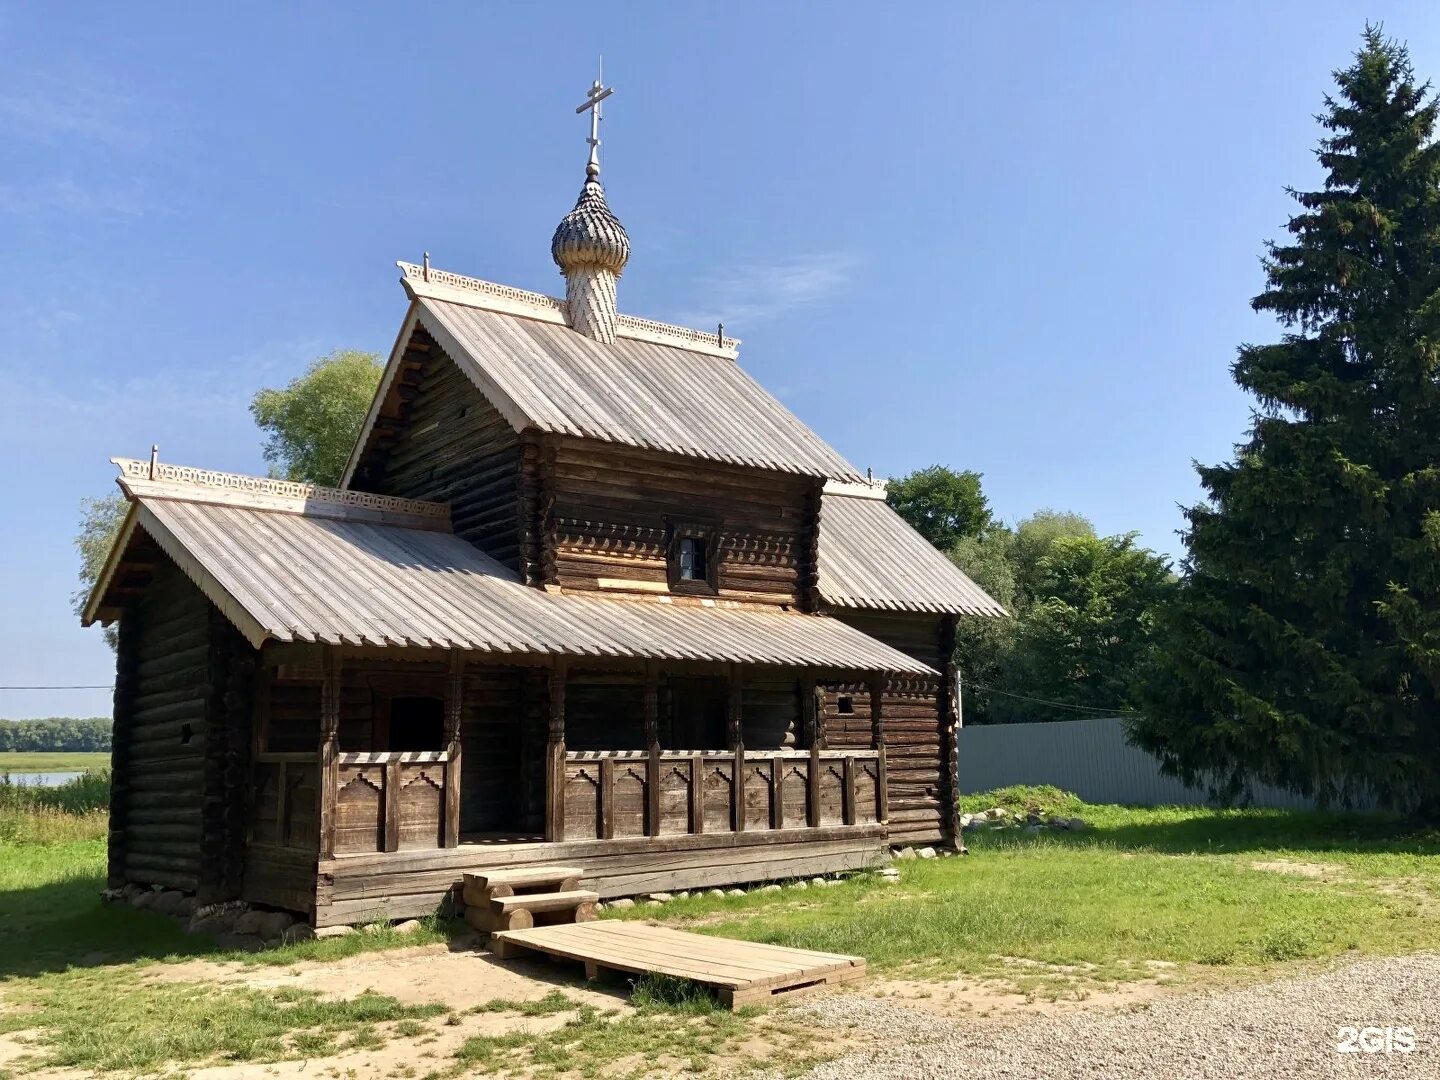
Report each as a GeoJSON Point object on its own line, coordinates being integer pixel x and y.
{"type": "Point", "coordinates": [353, 834]}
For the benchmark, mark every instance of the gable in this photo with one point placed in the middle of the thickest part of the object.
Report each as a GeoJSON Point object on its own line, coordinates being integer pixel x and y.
{"type": "Point", "coordinates": [636, 392]}
{"type": "Point", "coordinates": [439, 439]}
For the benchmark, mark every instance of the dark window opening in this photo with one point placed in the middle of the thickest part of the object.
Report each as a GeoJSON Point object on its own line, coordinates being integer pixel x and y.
{"type": "Point", "coordinates": [698, 720]}
{"type": "Point", "coordinates": [692, 559]}
{"type": "Point", "coordinates": [845, 705]}
{"type": "Point", "coordinates": [186, 734]}
{"type": "Point", "coordinates": [416, 723]}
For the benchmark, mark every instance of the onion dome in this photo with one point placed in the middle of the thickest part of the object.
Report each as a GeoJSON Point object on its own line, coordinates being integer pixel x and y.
{"type": "Point", "coordinates": [590, 236]}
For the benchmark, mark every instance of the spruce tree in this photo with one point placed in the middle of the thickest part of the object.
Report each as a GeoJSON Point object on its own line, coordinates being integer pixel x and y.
{"type": "Point", "coordinates": [1304, 647]}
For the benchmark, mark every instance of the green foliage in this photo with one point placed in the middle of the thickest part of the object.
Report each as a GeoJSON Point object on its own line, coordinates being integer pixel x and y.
{"type": "Point", "coordinates": [1083, 610]}
{"type": "Point", "coordinates": [100, 521]}
{"type": "Point", "coordinates": [55, 734]}
{"type": "Point", "coordinates": [1304, 650]}
{"type": "Point", "coordinates": [1042, 799]}
{"type": "Point", "coordinates": [1088, 629]}
{"type": "Point", "coordinates": [940, 504]}
{"type": "Point", "coordinates": [312, 423]}
{"type": "Point", "coordinates": [74, 810]}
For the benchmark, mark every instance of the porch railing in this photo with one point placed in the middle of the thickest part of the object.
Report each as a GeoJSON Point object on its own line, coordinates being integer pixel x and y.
{"type": "Point", "coordinates": [394, 801]}
{"type": "Point", "coordinates": [620, 793]}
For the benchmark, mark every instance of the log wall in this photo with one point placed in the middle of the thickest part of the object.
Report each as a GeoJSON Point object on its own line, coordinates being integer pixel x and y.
{"type": "Point", "coordinates": [915, 719]}
{"type": "Point", "coordinates": [606, 516]}
{"type": "Point", "coordinates": [164, 692]}
{"type": "Point", "coordinates": [439, 438]}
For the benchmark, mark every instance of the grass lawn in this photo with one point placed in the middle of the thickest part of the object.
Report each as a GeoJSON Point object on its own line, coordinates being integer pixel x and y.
{"type": "Point", "coordinates": [1218, 894]}
{"type": "Point", "coordinates": [1204, 890]}
{"type": "Point", "coordinates": [21, 761]}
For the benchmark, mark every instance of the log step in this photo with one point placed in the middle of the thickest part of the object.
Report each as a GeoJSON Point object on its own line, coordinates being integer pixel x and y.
{"type": "Point", "coordinates": [556, 901]}
{"type": "Point", "coordinates": [525, 877]}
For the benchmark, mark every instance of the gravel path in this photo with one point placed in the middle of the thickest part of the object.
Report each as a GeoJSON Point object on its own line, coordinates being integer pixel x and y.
{"type": "Point", "coordinates": [1285, 1029]}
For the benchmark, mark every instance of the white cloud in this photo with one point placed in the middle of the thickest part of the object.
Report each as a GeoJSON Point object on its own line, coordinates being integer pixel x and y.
{"type": "Point", "coordinates": [744, 295]}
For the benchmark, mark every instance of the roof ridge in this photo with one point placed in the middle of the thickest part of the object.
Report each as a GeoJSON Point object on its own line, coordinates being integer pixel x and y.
{"type": "Point", "coordinates": [863, 489]}
{"type": "Point", "coordinates": [445, 285]}
{"type": "Point", "coordinates": [188, 483]}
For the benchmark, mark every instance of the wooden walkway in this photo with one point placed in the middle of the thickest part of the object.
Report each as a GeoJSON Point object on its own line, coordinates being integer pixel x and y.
{"type": "Point", "coordinates": [743, 972]}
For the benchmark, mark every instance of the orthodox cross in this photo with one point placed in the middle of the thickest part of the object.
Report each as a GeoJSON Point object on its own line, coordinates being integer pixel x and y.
{"type": "Point", "coordinates": [596, 95]}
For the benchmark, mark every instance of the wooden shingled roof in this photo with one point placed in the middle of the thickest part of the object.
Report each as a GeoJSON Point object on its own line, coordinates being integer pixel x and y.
{"type": "Point", "coordinates": [657, 387]}
{"type": "Point", "coordinates": [870, 557]}
{"type": "Point", "coordinates": [289, 562]}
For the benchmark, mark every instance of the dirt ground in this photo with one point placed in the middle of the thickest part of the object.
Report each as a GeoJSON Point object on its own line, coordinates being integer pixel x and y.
{"type": "Point", "coordinates": [467, 978]}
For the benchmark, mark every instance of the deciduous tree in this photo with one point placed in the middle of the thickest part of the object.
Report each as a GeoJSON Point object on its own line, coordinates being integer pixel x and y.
{"type": "Point", "coordinates": [941, 504]}
{"type": "Point", "coordinates": [311, 424]}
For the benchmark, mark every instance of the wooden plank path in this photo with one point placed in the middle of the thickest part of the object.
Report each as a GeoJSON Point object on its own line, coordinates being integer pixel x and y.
{"type": "Point", "coordinates": [743, 972]}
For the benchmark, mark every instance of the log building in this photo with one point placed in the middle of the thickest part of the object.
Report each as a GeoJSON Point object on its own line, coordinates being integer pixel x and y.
{"type": "Point", "coordinates": [586, 593]}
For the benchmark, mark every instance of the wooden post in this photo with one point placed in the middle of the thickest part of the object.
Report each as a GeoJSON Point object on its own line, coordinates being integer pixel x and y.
{"type": "Point", "coordinates": [877, 736]}
{"type": "Point", "coordinates": [392, 804]}
{"type": "Point", "coordinates": [811, 709]}
{"type": "Point", "coordinates": [454, 711]}
{"type": "Point", "coordinates": [849, 774]}
{"type": "Point", "coordinates": [736, 730]}
{"type": "Point", "coordinates": [652, 744]}
{"type": "Point", "coordinates": [329, 746]}
{"type": "Point", "coordinates": [950, 721]}
{"type": "Point", "coordinates": [697, 792]}
{"type": "Point", "coordinates": [555, 754]}
{"type": "Point", "coordinates": [607, 798]}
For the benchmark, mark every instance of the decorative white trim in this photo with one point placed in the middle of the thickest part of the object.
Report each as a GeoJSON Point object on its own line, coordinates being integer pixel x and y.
{"type": "Point", "coordinates": [141, 479]}
{"type": "Point", "coordinates": [856, 489]}
{"type": "Point", "coordinates": [474, 292]}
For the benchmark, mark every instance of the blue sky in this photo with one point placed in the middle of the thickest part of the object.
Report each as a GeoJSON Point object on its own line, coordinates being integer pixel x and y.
{"type": "Point", "coordinates": [1014, 238]}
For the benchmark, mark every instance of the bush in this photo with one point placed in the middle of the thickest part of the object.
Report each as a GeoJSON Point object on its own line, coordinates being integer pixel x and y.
{"type": "Point", "coordinates": [1023, 799]}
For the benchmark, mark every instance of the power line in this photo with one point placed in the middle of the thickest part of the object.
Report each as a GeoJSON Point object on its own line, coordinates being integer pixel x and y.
{"type": "Point", "coordinates": [1046, 701]}
{"type": "Point", "coordinates": [106, 686]}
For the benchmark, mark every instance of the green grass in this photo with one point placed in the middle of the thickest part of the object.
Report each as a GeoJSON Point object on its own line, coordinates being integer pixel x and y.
{"type": "Point", "coordinates": [153, 1024]}
{"type": "Point", "coordinates": [673, 1031]}
{"type": "Point", "coordinates": [1178, 885]}
{"type": "Point", "coordinates": [23, 761]}
{"type": "Point", "coordinates": [74, 810]}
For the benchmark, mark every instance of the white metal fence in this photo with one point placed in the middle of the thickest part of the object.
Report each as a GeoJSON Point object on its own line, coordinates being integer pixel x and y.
{"type": "Point", "coordinates": [1088, 757]}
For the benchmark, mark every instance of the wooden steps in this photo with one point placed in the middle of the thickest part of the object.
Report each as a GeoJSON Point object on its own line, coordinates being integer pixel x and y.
{"type": "Point", "coordinates": [744, 972]}
{"type": "Point", "coordinates": [516, 899]}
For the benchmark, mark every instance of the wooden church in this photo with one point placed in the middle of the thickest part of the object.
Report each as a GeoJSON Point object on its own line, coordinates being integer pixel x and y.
{"type": "Point", "coordinates": [587, 594]}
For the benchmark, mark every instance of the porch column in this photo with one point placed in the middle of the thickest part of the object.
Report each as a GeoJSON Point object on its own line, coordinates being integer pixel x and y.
{"type": "Point", "coordinates": [812, 708]}
{"type": "Point", "coordinates": [555, 754]}
{"type": "Point", "coordinates": [736, 737]}
{"type": "Point", "coordinates": [652, 745]}
{"type": "Point", "coordinates": [951, 720]}
{"type": "Point", "coordinates": [329, 746]}
{"type": "Point", "coordinates": [454, 706]}
{"type": "Point", "coordinates": [877, 738]}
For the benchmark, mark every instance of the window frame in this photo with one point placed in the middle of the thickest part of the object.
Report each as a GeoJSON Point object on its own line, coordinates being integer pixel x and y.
{"type": "Point", "coordinates": [709, 537]}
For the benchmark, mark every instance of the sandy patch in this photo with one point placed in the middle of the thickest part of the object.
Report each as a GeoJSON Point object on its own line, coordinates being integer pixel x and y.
{"type": "Point", "coordinates": [1319, 871]}
{"type": "Point", "coordinates": [422, 975]}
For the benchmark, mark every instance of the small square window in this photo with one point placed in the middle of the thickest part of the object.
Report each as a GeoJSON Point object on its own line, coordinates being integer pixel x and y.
{"type": "Point", "coordinates": [845, 705]}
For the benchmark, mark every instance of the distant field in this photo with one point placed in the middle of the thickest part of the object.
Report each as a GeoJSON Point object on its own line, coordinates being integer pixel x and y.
{"type": "Point", "coordinates": [20, 761]}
